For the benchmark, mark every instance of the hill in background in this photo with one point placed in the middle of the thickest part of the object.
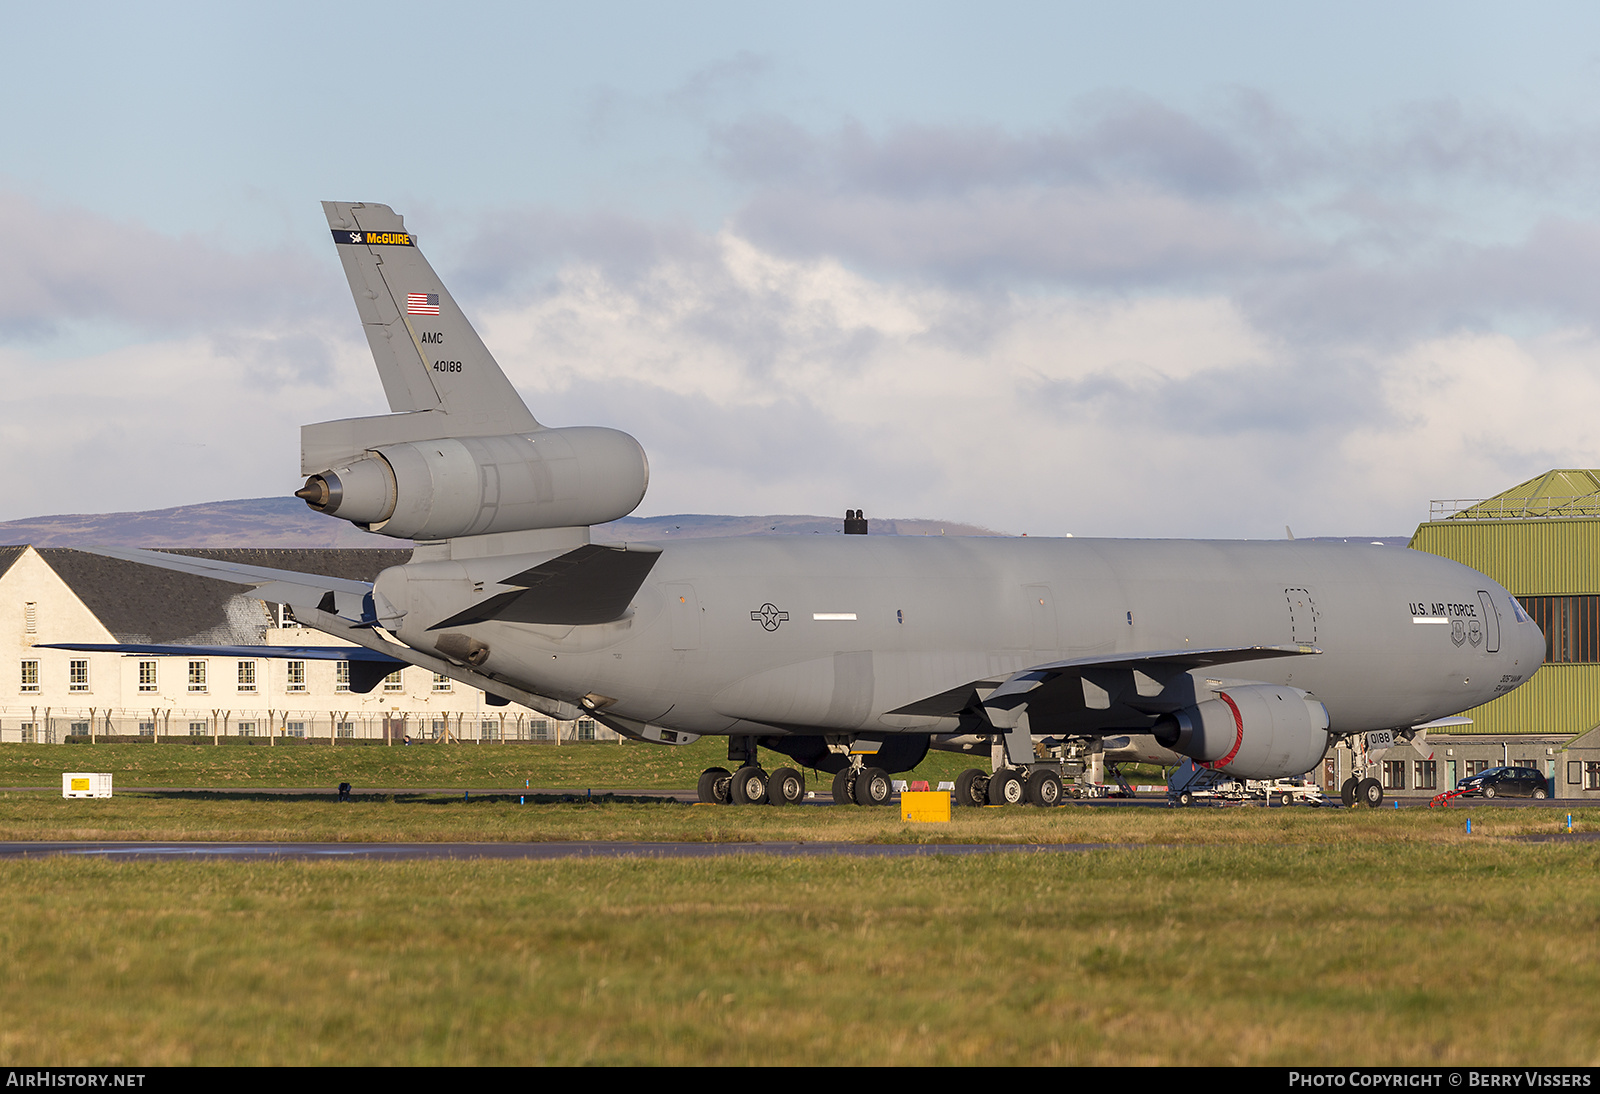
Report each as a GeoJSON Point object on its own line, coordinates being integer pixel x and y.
{"type": "Point", "coordinates": [288, 522]}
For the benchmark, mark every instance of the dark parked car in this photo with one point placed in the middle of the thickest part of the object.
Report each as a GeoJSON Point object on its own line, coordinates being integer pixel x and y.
{"type": "Point", "coordinates": [1506, 782]}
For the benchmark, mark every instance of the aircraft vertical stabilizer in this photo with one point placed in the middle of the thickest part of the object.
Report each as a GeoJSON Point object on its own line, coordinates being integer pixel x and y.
{"type": "Point", "coordinates": [439, 377]}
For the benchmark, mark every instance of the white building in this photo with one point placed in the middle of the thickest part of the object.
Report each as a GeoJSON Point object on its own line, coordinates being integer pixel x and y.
{"type": "Point", "coordinates": [56, 594]}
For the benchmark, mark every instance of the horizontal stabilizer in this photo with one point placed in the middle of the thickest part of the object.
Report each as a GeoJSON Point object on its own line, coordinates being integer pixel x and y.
{"type": "Point", "coordinates": [367, 667]}
{"type": "Point", "coordinates": [592, 584]}
{"type": "Point", "coordinates": [344, 597]}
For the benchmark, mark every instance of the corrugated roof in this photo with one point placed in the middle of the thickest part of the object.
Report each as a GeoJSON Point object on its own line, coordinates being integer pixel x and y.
{"type": "Point", "coordinates": [1559, 493]}
{"type": "Point", "coordinates": [145, 604]}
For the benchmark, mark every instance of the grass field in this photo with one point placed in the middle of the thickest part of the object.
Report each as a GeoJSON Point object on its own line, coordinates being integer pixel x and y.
{"type": "Point", "coordinates": [1237, 936]}
{"type": "Point", "coordinates": [575, 765]}
{"type": "Point", "coordinates": [1255, 954]}
{"type": "Point", "coordinates": [240, 815]}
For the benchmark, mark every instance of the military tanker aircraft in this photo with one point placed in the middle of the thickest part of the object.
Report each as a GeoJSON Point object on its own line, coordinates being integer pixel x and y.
{"type": "Point", "coordinates": [848, 654]}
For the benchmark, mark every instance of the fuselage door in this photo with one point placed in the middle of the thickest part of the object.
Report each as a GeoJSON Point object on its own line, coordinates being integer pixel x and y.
{"type": "Point", "coordinates": [1491, 622]}
{"type": "Point", "coordinates": [1302, 617]}
{"type": "Point", "coordinates": [684, 608]}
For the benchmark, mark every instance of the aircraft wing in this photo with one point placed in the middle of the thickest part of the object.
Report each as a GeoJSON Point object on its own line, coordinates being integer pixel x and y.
{"type": "Point", "coordinates": [341, 607]}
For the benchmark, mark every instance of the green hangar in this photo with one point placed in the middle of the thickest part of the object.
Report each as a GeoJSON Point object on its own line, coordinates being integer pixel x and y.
{"type": "Point", "coordinates": [1541, 540]}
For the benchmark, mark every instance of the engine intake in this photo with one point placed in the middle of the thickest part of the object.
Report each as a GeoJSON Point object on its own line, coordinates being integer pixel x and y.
{"type": "Point", "coordinates": [1253, 731]}
{"type": "Point", "coordinates": [471, 486]}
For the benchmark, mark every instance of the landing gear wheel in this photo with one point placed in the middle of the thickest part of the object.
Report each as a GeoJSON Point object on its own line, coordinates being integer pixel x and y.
{"type": "Point", "coordinates": [844, 788]}
{"type": "Point", "coordinates": [972, 788]}
{"type": "Point", "coordinates": [873, 787]}
{"type": "Point", "coordinates": [1370, 792]}
{"type": "Point", "coordinates": [1044, 789]}
{"type": "Point", "coordinates": [1347, 792]}
{"type": "Point", "coordinates": [714, 786]}
{"type": "Point", "coordinates": [1005, 787]}
{"type": "Point", "coordinates": [786, 787]}
{"type": "Point", "coordinates": [749, 786]}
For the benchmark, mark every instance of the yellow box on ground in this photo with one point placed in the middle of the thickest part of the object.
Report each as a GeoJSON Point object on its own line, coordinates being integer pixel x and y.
{"type": "Point", "coordinates": [925, 805]}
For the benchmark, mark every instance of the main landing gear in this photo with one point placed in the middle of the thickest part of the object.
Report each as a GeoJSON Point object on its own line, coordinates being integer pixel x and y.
{"type": "Point", "coordinates": [1009, 786]}
{"type": "Point", "coordinates": [1367, 792]}
{"type": "Point", "coordinates": [752, 786]}
{"type": "Point", "coordinates": [749, 784]}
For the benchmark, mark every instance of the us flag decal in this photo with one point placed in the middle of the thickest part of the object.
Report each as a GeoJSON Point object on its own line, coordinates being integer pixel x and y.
{"type": "Point", "coordinates": [422, 303]}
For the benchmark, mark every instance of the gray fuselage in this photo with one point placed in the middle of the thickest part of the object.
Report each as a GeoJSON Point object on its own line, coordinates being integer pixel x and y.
{"type": "Point", "coordinates": [836, 634]}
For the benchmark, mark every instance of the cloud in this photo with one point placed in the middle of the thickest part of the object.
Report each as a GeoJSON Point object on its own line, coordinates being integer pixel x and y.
{"type": "Point", "coordinates": [62, 266]}
{"type": "Point", "coordinates": [1141, 322]}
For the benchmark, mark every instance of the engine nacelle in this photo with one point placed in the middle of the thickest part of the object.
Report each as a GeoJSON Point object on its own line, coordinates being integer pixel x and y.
{"type": "Point", "coordinates": [472, 486]}
{"type": "Point", "coordinates": [1253, 731]}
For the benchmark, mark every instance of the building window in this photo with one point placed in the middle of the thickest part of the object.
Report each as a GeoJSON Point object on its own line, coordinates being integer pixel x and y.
{"type": "Point", "coordinates": [1425, 774]}
{"type": "Point", "coordinates": [199, 729]}
{"type": "Point", "coordinates": [441, 682]}
{"type": "Point", "coordinates": [341, 676]}
{"type": "Point", "coordinates": [79, 729]}
{"type": "Point", "coordinates": [294, 729]}
{"type": "Point", "coordinates": [197, 676]}
{"type": "Point", "coordinates": [347, 729]}
{"type": "Point", "coordinates": [30, 617]}
{"type": "Point", "coordinates": [1394, 774]}
{"type": "Point", "coordinates": [77, 676]}
{"type": "Point", "coordinates": [147, 729]}
{"type": "Point", "coordinates": [392, 681]}
{"type": "Point", "coordinates": [585, 729]}
{"type": "Point", "coordinates": [30, 733]}
{"type": "Point", "coordinates": [297, 675]}
{"type": "Point", "coordinates": [247, 729]}
{"type": "Point", "coordinates": [247, 676]}
{"type": "Point", "coordinates": [1591, 775]}
{"type": "Point", "coordinates": [539, 729]}
{"type": "Point", "coordinates": [437, 729]}
{"type": "Point", "coordinates": [1571, 627]}
{"type": "Point", "coordinates": [1476, 767]}
{"type": "Point", "coordinates": [147, 676]}
{"type": "Point", "coordinates": [30, 676]}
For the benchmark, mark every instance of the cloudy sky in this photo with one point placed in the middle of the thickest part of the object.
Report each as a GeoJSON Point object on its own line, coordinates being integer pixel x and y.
{"type": "Point", "coordinates": [1145, 269]}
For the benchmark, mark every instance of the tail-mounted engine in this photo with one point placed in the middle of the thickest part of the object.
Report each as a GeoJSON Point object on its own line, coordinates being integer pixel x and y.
{"type": "Point", "coordinates": [1253, 731]}
{"type": "Point", "coordinates": [470, 486]}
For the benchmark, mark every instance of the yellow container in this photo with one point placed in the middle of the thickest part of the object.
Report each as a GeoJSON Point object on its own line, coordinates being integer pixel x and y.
{"type": "Point", "coordinates": [925, 805]}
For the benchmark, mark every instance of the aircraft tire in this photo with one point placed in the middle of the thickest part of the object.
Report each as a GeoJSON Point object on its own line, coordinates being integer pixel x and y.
{"type": "Point", "coordinates": [1044, 789]}
{"type": "Point", "coordinates": [713, 786]}
{"type": "Point", "coordinates": [844, 788]}
{"type": "Point", "coordinates": [1347, 792]}
{"type": "Point", "coordinates": [972, 788]}
{"type": "Point", "coordinates": [1005, 787]}
{"type": "Point", "coordinates": [749, 786]}
{"type": "Point", "coordinates": [1371, 793]}
{"type": "Point", "coordinates": [873, 787]}
{"type": "Point", "coordinates": [786, 787]}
